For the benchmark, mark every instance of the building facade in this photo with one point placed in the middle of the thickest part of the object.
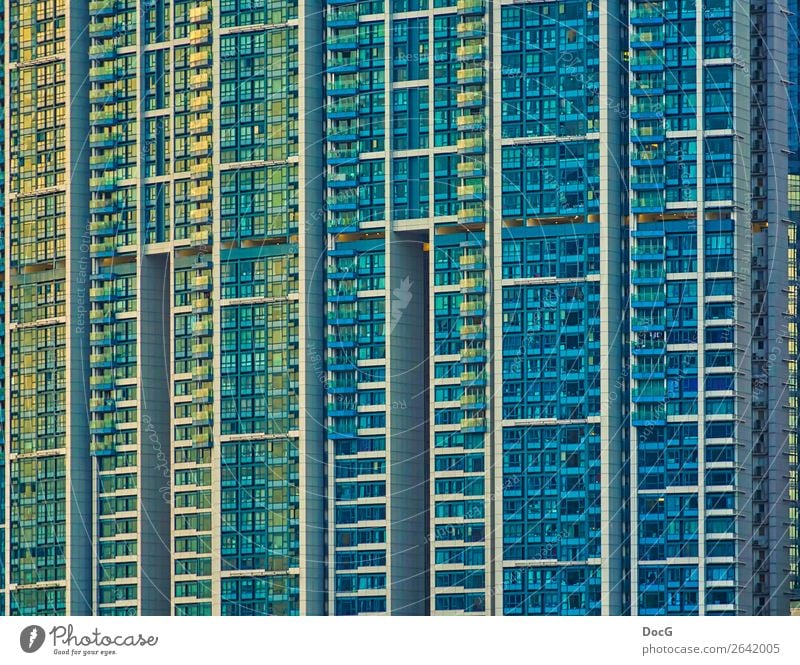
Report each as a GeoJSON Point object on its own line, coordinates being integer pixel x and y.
{"type": "Point", "coordinates": [399, 307]}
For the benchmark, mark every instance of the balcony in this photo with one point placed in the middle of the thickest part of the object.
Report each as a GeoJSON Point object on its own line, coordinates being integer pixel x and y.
{"type": "Point", "coordinates": [472, 308]}
{"type": "Point", "coordinates": [102, 360]}
{"type": "Point", "coordinates": [343, 177]}
{"type": "Point", "coordinates": [476, 192]}
{"type": "Point", "coordinates": [467, 29]}
{"type": "Point", "coordinates": [201, 238]}
{"type": "Point", "coordinates": [101, 339]}
{"type": "Point", "coordinates": [650, 156]}
{"type": "Point", "coordinates": [200, 193]}
{"type": "Point", "coordinates": [200, 81]}
{"type": "Point", "coordinates": [202, 350]}
{"type": "Point", "coordinates": [470, 99]}
{"type": "Point", "coordinates": [648, 347]}
{"type": "Point", "coordinates": [644, 108]}
{"type": "Point", "coordinates": [104, 95]}
{"type": "Point", "coordinates": [649, 370]}
{"type": "Point", "coordinates": [102, 228]}
{"type": "Point", "coordinates": [105, 73]}
{"type": "Point", "coordinates": [472, 285]}
{"type": "Point", "coordinates": [200, 14]}
{"type": "Point", "coordinates": [343, 40]}
{"type": "Point", "coordinates": [200, 59]}
{"type": "Point", "coordinates": [103, 29]}
{"type": "Point", "coordinates": [648, 132]}
{"type": "Point", "coordinates": [104, 381]}
{"type": "Point", "coordinates": [105, 117]}
{"type": "Point", "coordinates": [473, 354]}
{"type": "Point", "coordinates": [201, 283]}
{"type": "Point", "coordinates": [649, 276]}
{"type": "Point", "coordinates": [472, 261]}
{"type": "Point", "coordinates": [201, 439]}
{"type": "Point", "coordinates": [201, 169]}
{"type": "Point", "coordinates": [647, 61]}
{"type": "Point", "coordinates": [102, 426]}
{"type": "Point", "coordinates": [343, 132]}
{"type": "Point", "coordinates": [647, 323]}
{"type": "Point", "coordinates": [201, 214]}
{"type": "Point", "coordinates": [649, 394]}
{"type": "Point", "coordinates": [343, 85]}
{"type": "Point", "coordinates": [202, 327]}
{"type": "Point", "coordinates": [102, 405]}
{"type": "Point", "coordinates": [343, 17]}
{"type": "Point", "coordinates": [202, 372]}
{"type": "Point", "coordinates": [473, 425]}
{"type": "Point", "coordinates": [471, 146]}
{"type": "Point", "coordinates": [201, 102]}
{"type": "Point", "coordinates": [343, 108]}
{"type": "Point", "coordinates": [201, 148]}
{"type": "Point", "coordinates": [646, 180]}
{"type": "Point", "coordinates": [105, 162]}
{"type": "Point", "coordinates": [472, 332]}
{"type": "Point", "coordinates": [339, 155]}
{"type": "Point", "coordinates": [470, 52]}
{"type": "Point", "coordinates": [471, 168]}
{"type": "Point", "coordinates": [648, 203]}
{"type": "Point", "coordinates": [100, 8]}
{"type": "Point", "coordinates": [106, 139]}
{"type": "Point", "coordinates": [344, 222]}
{"type": "Point", "coordinates": [105, 293]}
{"type": "Point", "coordinates": [202, 396]}
{"type": "Point", "coordinates": [105, 183]}
{"type": "Point", "coordinates": [202, 416]}
{"type": "Point", "coordinates": [472, 214]}
{"type": "Point", "coordinates": [473, 401]}
{"type": "Point", "coordinates": [647, 13]}
{"type": "Point", "coordinates": [101, 316]}
{"type": "Point", "coordinates": [200, 36]}
{"type": "Point", "coordinates": [471, 122]}
{"type": "Point", "coordinates": [647, 37]}
{"type": "Point", "coordinates": [103, 248]}
{"type": "Point", "coordinates": [470, 7]}
{"type": "Point", "coordinates": [471, 75]}
{"type": "Point", "coordinates": [343, 63]}
{"type": "Point", "coordinates": [649, 417]}
{"type": "Point", "coordinates": [649, 298]}
{"type": "Point", "coordinates": [105, 51]}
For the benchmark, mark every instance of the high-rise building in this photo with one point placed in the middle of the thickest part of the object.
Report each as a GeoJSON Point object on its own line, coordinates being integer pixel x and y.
{"type": "Point", "coordinates": [399, 306]}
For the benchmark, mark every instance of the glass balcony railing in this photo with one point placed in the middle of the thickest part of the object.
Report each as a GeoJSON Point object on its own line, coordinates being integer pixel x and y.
{"type": "Point", "coordinates": [471, 6]}
{"type": "Point", "coordinates": [102, 7]}
{"type": "Point", "coordinates": [200, 35]}
{"type": "Point", "coordinates": [201, 237]}
{"type": "Point", "coordinates": [201, 214]}
{"type": "Point", "coordinates": [646, 35]}
{"type": "Point", "coordinates": [340, 16]}
{"type": "Point", "coordinates": [470, 75]}
{"type": "Point", "coordinates": [200, 14]}
{"type": "Point", "coordinates": [471, 192]}
{"type": "Point", "coordinates": [470, 98]}
{"type": "Point", "coordinates": [647, 10]}
{"type": "Point", "coordinates": [471, 121]}
{"type": "Point", "coordinates": [200, 58]}
{"type": "Point", "coordinates": [471, 145]}
{"type": "Point", "coordinates": [200, 81]}
{"type": "Point", "coordinates": [648, 155]}
{"type": "Point", "coordinates": [470, 52]}
{"type": "Point", "coordinates": [474, 28]}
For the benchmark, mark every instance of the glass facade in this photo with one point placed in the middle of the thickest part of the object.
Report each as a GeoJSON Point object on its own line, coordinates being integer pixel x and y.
{"type": "Point", "coordinates": [398, 307]}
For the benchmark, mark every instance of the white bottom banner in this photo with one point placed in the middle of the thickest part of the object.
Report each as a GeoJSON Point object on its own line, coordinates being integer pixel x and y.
{"type": "Point", "coordinates": [423, 640]}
